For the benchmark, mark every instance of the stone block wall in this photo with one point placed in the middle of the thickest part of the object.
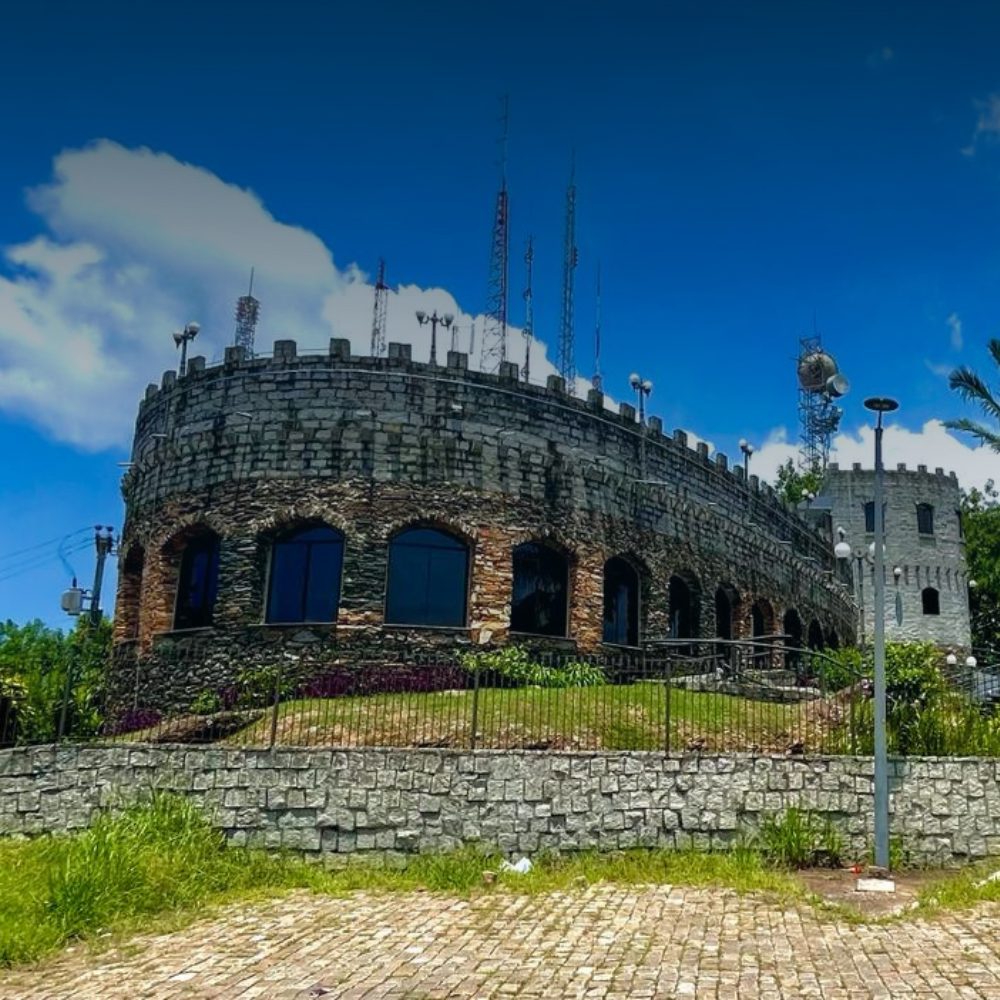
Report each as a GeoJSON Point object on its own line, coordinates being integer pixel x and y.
{"type": "Point", "coordinates": [347, 801]}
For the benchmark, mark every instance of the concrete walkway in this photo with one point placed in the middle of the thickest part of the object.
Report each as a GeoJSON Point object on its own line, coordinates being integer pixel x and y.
{"type": "Point", "coordinates": [602, 942]}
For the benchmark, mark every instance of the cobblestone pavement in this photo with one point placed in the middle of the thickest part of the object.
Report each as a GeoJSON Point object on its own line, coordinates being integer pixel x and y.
{"type": "Point", "coordinates": [603, 942]}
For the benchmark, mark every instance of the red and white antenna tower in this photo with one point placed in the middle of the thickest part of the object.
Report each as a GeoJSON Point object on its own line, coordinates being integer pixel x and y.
{"type": "Point", "coordinates": [247, 314]}
{"type": "Point", "coordinates": [567, 363]}
{"type": "Point", "coordinates": [529, 316]}
{"type": "Point", "coordinates": [379, 315]}
{"type": "Point", "coordinates": [596, 381]}
{"type": "Point", "coordinates": [494, 350]}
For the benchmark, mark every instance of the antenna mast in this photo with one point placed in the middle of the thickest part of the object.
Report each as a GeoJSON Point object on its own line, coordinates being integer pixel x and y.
{"type": "Point", "coordinates": [529, 316]}
{"type": "Point", "coordinates": [247, 313]}
{"type": "Point", "coordinates": [567, 366]}
{"type": "Point", "coordinates": [495, 326]}
{"type": "Point", "coordinates": [596, 381]}
{"type": "Point", "coordinates": [379, 315]}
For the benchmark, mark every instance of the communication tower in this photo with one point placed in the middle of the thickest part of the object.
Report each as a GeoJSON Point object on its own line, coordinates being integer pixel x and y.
{"type": "Point", "coordinates": [495, 324]}
{"type": "Point", "coordinates": [380, 310]}
{"type": "Point", "coordinates": [529, 316]}
{"type": "Point", "coordinates": [820, 385]}
{"type": "Point", "coordinates": [247, 314]}
{"type": "Point", "coordinates": [567, 364]}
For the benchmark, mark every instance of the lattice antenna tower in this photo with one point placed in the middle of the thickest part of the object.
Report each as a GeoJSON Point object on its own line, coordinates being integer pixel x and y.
{"type": "Point", "coordinates": [380, 311]}
{"type": "Point", "coordinates": [529, 312]}
{"type": "Point", "coordinates": [494, 341]}
{"type": "Point", "coordinates": [567, 364]}
{"type": "Point", "coordinates": [820, 385]}
{"type": "Point", "coordinates": [247, 314]}
{"type": "Point", "coordinates": [597, 380]}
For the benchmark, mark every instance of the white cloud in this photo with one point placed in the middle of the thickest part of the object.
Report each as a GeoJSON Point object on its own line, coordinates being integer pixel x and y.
{"type": "Point", "coordinates": [135, 243]}
{"type": "Point", "coordinates": [987, 123]}
{"type": "Point", "coordinates": [933, 445]}
{"type": "Point", "coordinates": [955, 326]}
{"type": "Point", "coordinates": [940, 369]}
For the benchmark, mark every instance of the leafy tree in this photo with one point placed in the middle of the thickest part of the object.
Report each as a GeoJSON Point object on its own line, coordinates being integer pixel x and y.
{"type": "Point", "coordinates": [793, 483]}
{"type": "Point", "coordinates": [34, 661]}
{"type": "Point", "coordinates": [981, 526]}
{"type": "Point", "coordinates": [974, 389]}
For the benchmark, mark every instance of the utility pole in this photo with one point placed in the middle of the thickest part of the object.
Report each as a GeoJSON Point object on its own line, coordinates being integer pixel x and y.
{"type": "Point", "coordinates": [103, 544]}
{"type": "Point", "coordinates": [566, 362]}
{"type": "Point", "coordinates": [529, 315]}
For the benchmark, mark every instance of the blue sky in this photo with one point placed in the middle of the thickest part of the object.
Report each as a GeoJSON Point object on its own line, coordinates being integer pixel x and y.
{"type": "Point", "coordinates": [742, 169]}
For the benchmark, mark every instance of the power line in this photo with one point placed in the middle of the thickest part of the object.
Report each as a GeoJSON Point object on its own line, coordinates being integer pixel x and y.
{"type": "Point", "coordinates": [39, 561]}
{"type": "Point", "coordinates": [41, 545]}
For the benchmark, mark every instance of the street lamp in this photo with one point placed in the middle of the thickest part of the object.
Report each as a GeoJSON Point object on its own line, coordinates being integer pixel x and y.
{"type": "Point", "coordinates": [747, 450]}
{"type": "Point", "coordinates": [643, 387]}
{"type": "Point", "coordinates": [880, 405]}
{"type": "Point", "coordinates": [446, 320]}
{"type": "Point", "coordinates": [181, 340]}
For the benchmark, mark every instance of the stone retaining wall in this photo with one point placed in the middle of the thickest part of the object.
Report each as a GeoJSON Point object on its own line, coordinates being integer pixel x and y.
{"type": "Point", "coordinates": [345, 801]}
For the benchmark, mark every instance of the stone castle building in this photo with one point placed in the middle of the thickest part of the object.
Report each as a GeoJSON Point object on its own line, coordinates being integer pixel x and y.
{"type": "Point", "coordinates": [316, 508]}
{"type": "Point", "coordinates": [928, 598]}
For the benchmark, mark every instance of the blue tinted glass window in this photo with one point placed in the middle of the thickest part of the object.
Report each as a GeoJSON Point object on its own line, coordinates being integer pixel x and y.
{"type": "Point", "coordinates": [197, 583]}
{"type": "Point", "coordinates": [305, 576]}
{"type": "Point", "coordinates": [428, 579]}
{"type": "Point", "coordinates": [540, 596]}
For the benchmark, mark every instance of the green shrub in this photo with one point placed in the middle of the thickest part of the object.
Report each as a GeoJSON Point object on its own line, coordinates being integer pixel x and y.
{"type": "Point", "coordinates": [513, 665]}
{"type": "Point", "coordinates": [800, 839]}
{"type": "Point", "coordinates": [206, 702]}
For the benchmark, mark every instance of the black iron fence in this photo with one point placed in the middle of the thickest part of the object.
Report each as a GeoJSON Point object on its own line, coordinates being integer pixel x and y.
{"type": "Point", "coordinates": [680, 696]}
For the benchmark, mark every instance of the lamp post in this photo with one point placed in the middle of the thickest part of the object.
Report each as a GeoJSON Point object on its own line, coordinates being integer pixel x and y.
{"type": "Point", "coordinates": [642, 387]}
{"type": "Point", "coordinates": [747, 450]}
{"type": "Point", "coordinates": [880, 405]}
{"type": "Point", "coordinates": [181, 340]}
{"type": "Point", "coordinates": [446, 320]}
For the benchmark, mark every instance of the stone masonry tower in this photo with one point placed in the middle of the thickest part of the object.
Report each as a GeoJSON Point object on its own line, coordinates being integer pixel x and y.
{"type": "Point", "coordinates": [923, 541]}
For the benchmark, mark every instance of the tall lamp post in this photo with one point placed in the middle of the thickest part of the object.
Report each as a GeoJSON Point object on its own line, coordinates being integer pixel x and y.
{"type": "Point", "coordinates": [642, 387]}
{"type": "Point", "coordinates": [446, 320]}
{"type": "Point", "coordinates": [747, 450]}
{"type": "Point", "coordinates": [880, 405]}
{"type": "Point", "coordinates": [181, 339]}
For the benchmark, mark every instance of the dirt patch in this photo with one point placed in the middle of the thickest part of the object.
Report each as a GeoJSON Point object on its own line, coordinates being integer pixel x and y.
{"type": "Point", "coordinates": [840, 887]}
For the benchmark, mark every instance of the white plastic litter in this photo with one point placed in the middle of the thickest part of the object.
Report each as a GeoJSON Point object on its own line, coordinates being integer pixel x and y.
{"type": "Point", "coordinates": [995, 877]}
{"type": "Point", "coordinates": [522, 866]}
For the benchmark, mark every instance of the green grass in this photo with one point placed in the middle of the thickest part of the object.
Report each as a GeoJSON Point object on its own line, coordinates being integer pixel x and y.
{"type": "Point", "coordinates": [604, 717]}
{"type": "Point", "coordinates": [156, 864]}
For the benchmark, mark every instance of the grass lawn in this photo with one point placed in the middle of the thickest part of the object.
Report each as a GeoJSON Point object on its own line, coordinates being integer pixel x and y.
{"type": "Point", "coordinates": [602, 717]}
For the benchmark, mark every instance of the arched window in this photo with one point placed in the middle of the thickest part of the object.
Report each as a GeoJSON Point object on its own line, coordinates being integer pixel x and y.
{"type": "Point", "coordinates": [304, 584]}
{"type": "Point", "coordinates": [683, 609]}
{"type": "Point", "coordinates": [197, 582]}
{"type": "Point", "coordinates": [925, 519]}
{"type": "Point", "coordinates": [428, 579]}
{"type": "Point", "coordinates": [725, 605]}
{"type": "Point", "coordinates": [816, 640]}
{"type": "Point", "coordinates": [833, 639]}
{"type": "Point", "coordinates": [621, 603]}
{"type": "Point", "coordinates": [930, 600]}
{"type": "Point", "coordinates": [792, 627]}
{"type": "Point", "coordinates": [129, 601]}
{"type": "Point", "coordinates": [540, 599]}
{"type": "Point", "coordinates": [761, 624]}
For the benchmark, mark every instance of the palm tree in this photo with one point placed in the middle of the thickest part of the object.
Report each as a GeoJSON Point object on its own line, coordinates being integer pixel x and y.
{"type": "Point", "coordinates": [974, 389]}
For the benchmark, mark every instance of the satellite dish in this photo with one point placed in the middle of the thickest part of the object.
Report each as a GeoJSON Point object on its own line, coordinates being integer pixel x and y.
{"type": "Point", "coordinates": [815, 369]}
{"type": "Point", "coordinates": [837, 385]}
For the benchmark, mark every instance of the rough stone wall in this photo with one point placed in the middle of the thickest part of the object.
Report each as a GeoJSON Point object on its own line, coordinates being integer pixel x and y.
{"type": "Point", "coordinates": [927, 560]}
{"type": "Point", "coordinates": [521, 802]}
{"type": "Point", "coordinates": [372, 445]}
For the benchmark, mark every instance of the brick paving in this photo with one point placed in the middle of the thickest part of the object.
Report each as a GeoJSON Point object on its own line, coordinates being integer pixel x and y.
{"type": "Point", "coordinates": [608, 942]}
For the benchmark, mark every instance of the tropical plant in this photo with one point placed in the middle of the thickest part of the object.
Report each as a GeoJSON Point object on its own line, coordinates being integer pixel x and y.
{"type": "Point", "coordinates": [792, 484]}
{"type": "Point", "coordinates": [512, 665]}
{"type": "Point", "coordinates": [973, 388]}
